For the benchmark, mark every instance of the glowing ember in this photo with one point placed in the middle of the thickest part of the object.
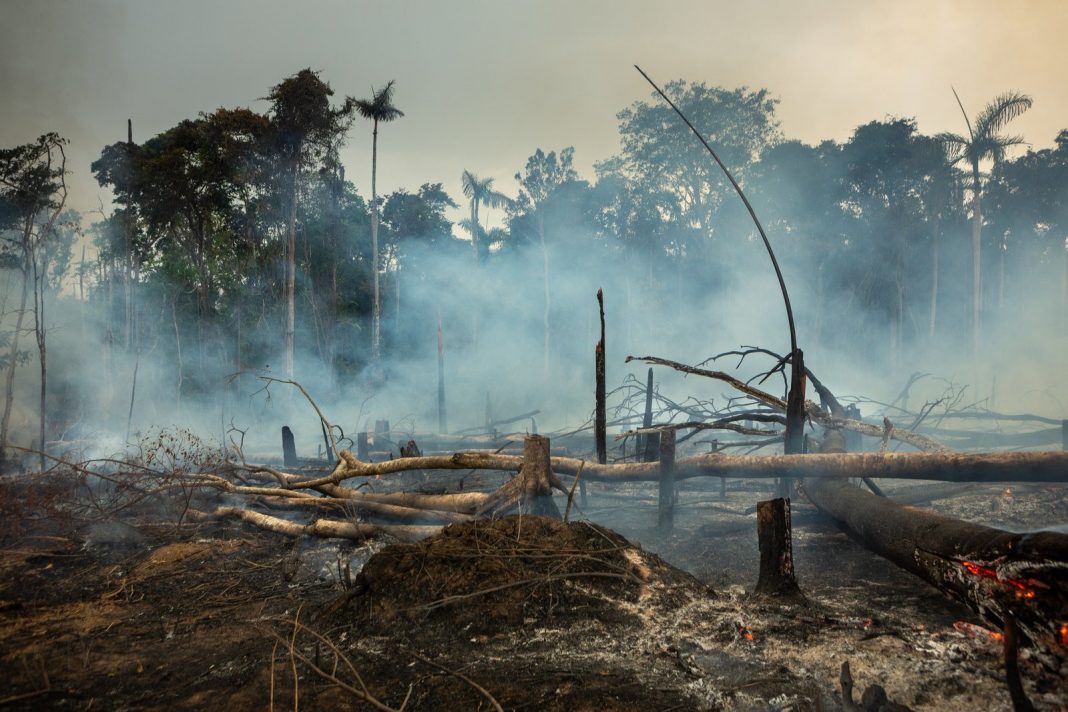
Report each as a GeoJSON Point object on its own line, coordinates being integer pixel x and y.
{"type": "Point", "coordinates": [1064, 635]}
{"type": "Point", "coordinates": [977, 631]}
{"type": "Point", "coordinates": [744, 633]}
{"type": "Point", "coordinates": [1007, 492]}
{"type": "Point", "coordinates": [1022, 589]}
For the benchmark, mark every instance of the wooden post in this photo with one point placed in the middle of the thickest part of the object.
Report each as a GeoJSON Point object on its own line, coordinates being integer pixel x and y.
{"type": "Point", "coordinates": [443, 423]}
{"type": "Point", "coordinates": [666, 506]}
{"type": "Point", "coordinates": [776, 549]}
{"type": "Point", "coordinates": [289, 447]}
{"type": "Point", "coordinates": [363, 452]}
{"type": "Point", "coordinates": [1064, 434]}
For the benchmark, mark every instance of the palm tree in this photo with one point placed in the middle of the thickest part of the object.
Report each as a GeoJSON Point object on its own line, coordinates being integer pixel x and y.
{"type": "Point", "coordinates": [379, 108]}
{"type": "Point", "coordinates": [480, 191]}
{"type": "Point", "coordinates": [983, 142]}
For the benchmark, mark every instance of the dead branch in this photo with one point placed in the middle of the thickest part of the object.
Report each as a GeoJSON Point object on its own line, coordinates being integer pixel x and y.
{"type": "Point", "coordinates": [319, 527]}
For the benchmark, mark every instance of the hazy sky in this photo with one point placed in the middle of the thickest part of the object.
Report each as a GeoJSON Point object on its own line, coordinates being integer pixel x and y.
{"type": "Point", "coordinates": [485, 83]}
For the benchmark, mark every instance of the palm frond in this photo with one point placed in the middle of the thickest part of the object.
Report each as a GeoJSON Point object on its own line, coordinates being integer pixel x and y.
{"type": "Point", "coordinates": [380, 106]}
{"type": "Point", "coordinates": [967, 121]}
{"type": "Point", "coordinates": [1001, 111]}
{"type": "Point", "coordinates": [954, 145]}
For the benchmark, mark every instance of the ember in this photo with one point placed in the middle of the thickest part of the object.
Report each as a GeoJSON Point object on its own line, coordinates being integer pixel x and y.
{"type": "Point", "coordinates": [977, 631]}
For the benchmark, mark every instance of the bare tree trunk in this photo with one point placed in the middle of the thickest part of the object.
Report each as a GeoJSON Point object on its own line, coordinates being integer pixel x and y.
{"type": "Point", "coordinates": [9, 377]}
{"type": "Point", "coordinates": [376, 318]}
{"type": "Point", "coordinates": [977, 263]}
{"type": "Point", "coordinates": [932, 323]}
{"type": "Point", "coordinates": [39, 286]}
{"type": "Point", "coordinates": [291, 269]}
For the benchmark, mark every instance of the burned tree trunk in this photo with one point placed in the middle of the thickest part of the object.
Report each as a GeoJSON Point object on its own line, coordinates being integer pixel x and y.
{"type": "Point", "coordinates": [646, 448]}
{"type": "Point", "coordinates": [600, 414]}
{"type": "Point", "coordinates": [776, 550]}
{"type": "Point", "coordinates": [997, 574]}
{"type": "Point", "coordinates": [532, 489]}
{"type": "Point", "coordinates": [795, 416]}
{"type": "Point", "coordinates": [289, 448]}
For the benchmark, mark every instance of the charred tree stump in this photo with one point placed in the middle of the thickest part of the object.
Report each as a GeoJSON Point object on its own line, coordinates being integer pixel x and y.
{"type": "Point", "coordinates": [666, 502]}
{"type": "Point", "coordinates": [289, 448]}
{"type": "Point", "coordinates": [532, 489]}
{"type": "Point", "coordinates": [776, 550]}
{"type": "Point", "coordinates": [363, 451]}
{"type": "Point", "coordinates": [997, 574]}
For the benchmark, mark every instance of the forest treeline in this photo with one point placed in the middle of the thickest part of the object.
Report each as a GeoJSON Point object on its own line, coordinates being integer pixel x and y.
{"type": "Point", "coordinates": [235, 238]}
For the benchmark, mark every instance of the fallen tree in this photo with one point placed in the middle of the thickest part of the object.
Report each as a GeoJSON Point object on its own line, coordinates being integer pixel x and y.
{"type": "Point", "coordinates": [1000, 575]}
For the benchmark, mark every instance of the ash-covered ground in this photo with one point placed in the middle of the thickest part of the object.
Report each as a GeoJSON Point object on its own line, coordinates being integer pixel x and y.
{"type": "Point", "coordinates": [521, 612]}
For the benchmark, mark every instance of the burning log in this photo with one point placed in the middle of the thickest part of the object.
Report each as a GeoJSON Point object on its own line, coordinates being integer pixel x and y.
{"type": "Point", "coordinates": [1000, 575]}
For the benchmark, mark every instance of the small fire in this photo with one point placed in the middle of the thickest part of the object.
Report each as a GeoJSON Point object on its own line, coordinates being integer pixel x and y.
{"type": "Point", "coordinates": [1007, 492]}
{"type": "Point", "coordinates": [977, 631]}
{"type": "Point", "coordinates": [1022, 589]}
{"type": "Point", "coordinates": [744, 633]}
{"type": "Point", "coordinates": [1064, 634]}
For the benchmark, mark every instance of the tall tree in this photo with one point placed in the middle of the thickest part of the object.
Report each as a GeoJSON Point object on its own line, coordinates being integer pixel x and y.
{"type": "Point", "coordinates": [379, 108]}
{"type": "Point", "coordinates": [983, 142]}
{"type": "Point", "coordinates": [306, 129]}
{"type": "Point", "coordinates": [33, 191]}
{"type": "Point", "coordinates": [542, 176]}
{"type": "Point", "coordinates": [480, 192]}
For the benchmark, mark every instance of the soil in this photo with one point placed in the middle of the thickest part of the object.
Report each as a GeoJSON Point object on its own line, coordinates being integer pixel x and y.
{"type": "Point", "coordinates": [524, 612]}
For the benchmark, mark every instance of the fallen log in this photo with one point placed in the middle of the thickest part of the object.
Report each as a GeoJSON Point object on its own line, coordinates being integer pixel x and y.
{"type": "Point", "coordinates": [998, 574]}
{"type": "Point", "coordinates": [318, 527]}
{"type": "Point", "coordinates": [944, 466]}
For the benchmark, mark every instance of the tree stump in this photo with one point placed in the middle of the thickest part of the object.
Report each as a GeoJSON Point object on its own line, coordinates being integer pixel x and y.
{"type": "Point", "coordinates": [776, 550]}
{"type": "Point", "coordinates": [289, 448]}
{"type": "Point", "coordinates": [532, 489]}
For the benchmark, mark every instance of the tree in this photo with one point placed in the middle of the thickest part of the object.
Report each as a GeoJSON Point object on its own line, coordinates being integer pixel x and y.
{"type": "Point", "coordinates": [379, 108]}
{"type": "Point", "coordinates": [480, 192]}
{"type": "Point", "coordinates": [33, 191]}
{"type": "Point", "coordinates": [542, 176]}
{"type": "Point", "coordinates": [306, 128]}
{"type": "Point", "coordinates": [983, 142]}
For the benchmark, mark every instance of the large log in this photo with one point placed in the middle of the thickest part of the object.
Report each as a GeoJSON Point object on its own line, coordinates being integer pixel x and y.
{"type": "Point", "coordinates": [998, 574]}
{"type": "Point", "coordinates": [944, 466]}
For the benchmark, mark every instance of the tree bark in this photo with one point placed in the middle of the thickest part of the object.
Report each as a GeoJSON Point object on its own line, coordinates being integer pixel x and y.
{"type": "Point", "coordinates": [600, 410]}
{"type": "Point", "coordinates": [776, 550]}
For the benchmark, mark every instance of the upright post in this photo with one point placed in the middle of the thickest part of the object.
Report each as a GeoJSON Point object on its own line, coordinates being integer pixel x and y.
{"type": "Point", "coordinates": [289, 447]}
{"type": "Point", "coordinates": [363, 451]}
{"type": "Point", "coordinates": [795, 416]}
{"type": "Point", "coordinates": [647, 421]}
{"type": "Point", "coordinates": [666, 506]}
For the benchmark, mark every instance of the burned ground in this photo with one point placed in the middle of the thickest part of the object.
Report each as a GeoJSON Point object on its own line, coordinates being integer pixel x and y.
{"type": "Point", "coordinates": [138, 615]}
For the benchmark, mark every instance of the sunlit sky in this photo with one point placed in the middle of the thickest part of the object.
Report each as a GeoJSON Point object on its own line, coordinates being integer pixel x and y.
{"type": "Point", "coordinates": [485, 83]}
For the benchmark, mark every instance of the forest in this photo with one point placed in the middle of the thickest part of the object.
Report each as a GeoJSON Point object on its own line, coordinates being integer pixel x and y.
{"type": "Point", "coordinates": [234, 243]}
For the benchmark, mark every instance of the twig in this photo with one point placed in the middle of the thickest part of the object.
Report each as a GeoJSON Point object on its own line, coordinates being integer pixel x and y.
{"type": "Point", "coordinates": [482, 691]}
{"type": "Point", "coordinates": [571, 493]}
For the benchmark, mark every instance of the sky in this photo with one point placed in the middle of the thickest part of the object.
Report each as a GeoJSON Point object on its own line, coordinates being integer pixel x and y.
{"type": "Point", "coordinates": [483, 84]}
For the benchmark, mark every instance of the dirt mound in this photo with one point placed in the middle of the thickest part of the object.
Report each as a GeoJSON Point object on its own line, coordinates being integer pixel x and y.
{"type": "Point", "coordinates": [491, 575]}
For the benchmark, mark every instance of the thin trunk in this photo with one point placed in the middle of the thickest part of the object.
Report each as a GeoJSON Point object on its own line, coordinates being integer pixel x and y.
{"type": "Point", "coordinates": [977, 267]}
{"type": "Point", "coordinates": [934, 286]}
{"type": "Point", "coordinates": [376, 318]}
{"type": "Point", "coordinates": [178, 352]}
{"type": "Point", "coordinates": [291, 268]}
{"type": "Point", "coordinates": [548, 297]}
{"type": "Point", "coordinates": [9, 377]}
{"type": "Point", "coordinates": [39, 286]}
